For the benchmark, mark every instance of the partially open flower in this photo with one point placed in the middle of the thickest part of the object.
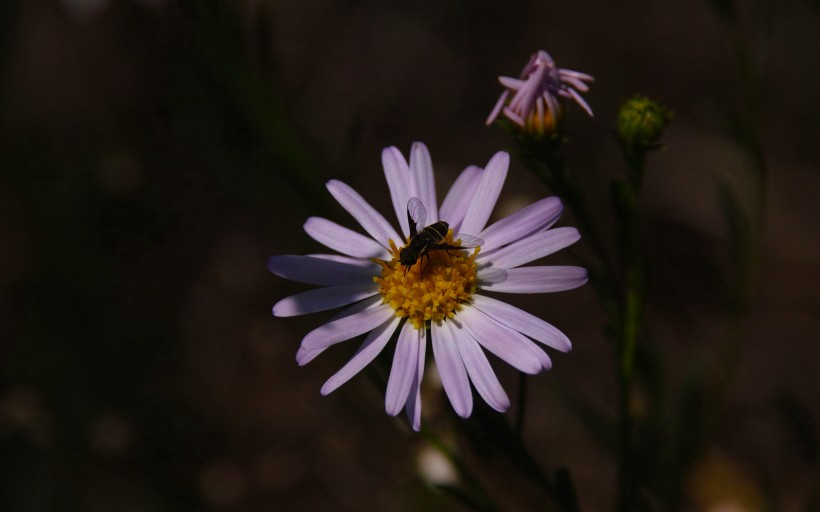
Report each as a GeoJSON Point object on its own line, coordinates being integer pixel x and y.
{"type": "Point", "coordinates": [539, 95]}
{"type": "Point", "coordinates": [429, 283]}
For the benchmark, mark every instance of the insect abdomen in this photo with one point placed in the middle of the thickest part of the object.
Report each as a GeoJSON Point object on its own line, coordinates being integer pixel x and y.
{"type": "Point", "coordinates": [437, 230]}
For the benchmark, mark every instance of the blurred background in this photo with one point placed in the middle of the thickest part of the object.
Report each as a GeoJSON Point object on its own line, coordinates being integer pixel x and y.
{"type": "Point", "coordinates": [154, 154]}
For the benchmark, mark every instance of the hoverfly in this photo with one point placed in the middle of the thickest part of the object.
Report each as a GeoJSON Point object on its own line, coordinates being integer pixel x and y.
{"type": "Point", "coordinates": [424, 239]}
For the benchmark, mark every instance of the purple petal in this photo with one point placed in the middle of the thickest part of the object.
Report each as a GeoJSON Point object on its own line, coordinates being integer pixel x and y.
{"type": "Point", "coordinates": [486, 194]}
{"type": "Point", "coordinates": [401, 184]}
{"type": "Point", "coordinates": [490, 275]}
{"type": "Point", "coordinates": [556, 278]}
{"type": "Point", "coordinates": [303, 356]}
{"type": "Point", "coordinates": [510, 346]}
{"type": "Point", "coordinates": [367, 217]}
{"type": "Point", "coordinates": [497, 108]}
{"type": "Point", "coordinates": [405, 367]}
{"type": "Point", "coordinates": [513, 116]}
{"type": "Point", "coordinates": [369, 349]}
{"type": "Point", "coordinates": [342, 239]}
{"type": "Point", "coordinates": [552, 103]}
{"type": "Point", "coordinates": [524, 98]}
{"type": "Point", "coordinates": [511, 83]}
{"type": "Point", "coordinates": [320, 271]}
{"type": "Point", "coordinates": [581, 102]}
{"type": "Point", "coordinates": [523, 322]}
{"type": "Point", "coordinates": [345, 328]}
{"type": "Point", "coordinates": [568, 73]}
{"type": "Point", "coordinates": [322, 299]}
{"type": "Point", "coordinates": [480, 371]}
{"type": "Point", "coordinates": [421, 166]}
{"type": "Point", "coordinates": [533, 247]}
{"type": "Point", "coordinates": [451, 368]}
{"type": "Point", "coordinates": [574, 83]}
{"type": "Point", "coordinates": [526, 221]}
{"type": "Point", "coordinates": [413, 406]}
{"type": "Point", "coordinates": [459, 197]}
{"type": "Point", "coordinates": [347, 260]}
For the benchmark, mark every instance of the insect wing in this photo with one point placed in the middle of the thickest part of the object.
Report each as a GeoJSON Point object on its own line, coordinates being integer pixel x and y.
{"type": "Point", "coordinates": [416, 215]}
{"type": "Point", "coordinates": [468, 240]}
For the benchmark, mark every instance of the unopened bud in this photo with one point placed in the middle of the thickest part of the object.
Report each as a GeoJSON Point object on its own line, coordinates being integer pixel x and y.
{"type": "Point", "coordinates": [641, 122]}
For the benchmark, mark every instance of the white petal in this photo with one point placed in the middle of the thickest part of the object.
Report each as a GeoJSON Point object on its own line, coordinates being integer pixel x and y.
{"type": "Point", "coordinates": [401, 184]}
{"type": "Point", "coordinates": [322, 299]}
{"type": "Point", "coordinates": [556, 278]}
{"type": "Point", "coordinates": [345, 328]}
{"type": "Point", "coordinates": [523, 322]}
{"type": "Point", "coordinates": [320, 271]}
{"type": "Point", "coordinates": [533, 218]}
{"type": "Point", "coordinates": [367, 217]}
{"type": "Point", "coordinates": [413, 406]}
{"type": "Point", "coordinates": [479, 370]}
{"type": "Point", "coordinates": [533, 247]}
{"type": "Point", "coordinates": [369, 349]}
{"type": "Point", "coordinates": [451, 369]}
{"type": "Point", "coordinates": [486, 194]}
{"type": "Point", "coordinates": [404, 369]}
{"type": "Point", "coordinates": [342, 239]}
{"type": "Point", "coordinates": [510, 346]}
{"type": "Point", "coordinates": [421, 166]}
{"type": "Point", "coordinates": [459, 197]}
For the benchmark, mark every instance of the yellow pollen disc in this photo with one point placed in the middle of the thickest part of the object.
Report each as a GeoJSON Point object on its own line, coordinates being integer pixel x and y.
{"type": "Point", "coordinates": [545, 124]}
{"type": "Point", "coordinates": [432, 289]}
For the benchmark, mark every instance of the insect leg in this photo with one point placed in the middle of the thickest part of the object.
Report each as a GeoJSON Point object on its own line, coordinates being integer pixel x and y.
{"type": "Point", "coordinates": [444, 247]}
{"type": "Point", "coordinates": [423, 266]}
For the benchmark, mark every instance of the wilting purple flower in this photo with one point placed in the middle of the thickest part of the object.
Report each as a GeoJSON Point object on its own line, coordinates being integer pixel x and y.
{"type": "Point", "coordinates": [538, 94]}
{"type": "Point", "coordinates": [441, 296]}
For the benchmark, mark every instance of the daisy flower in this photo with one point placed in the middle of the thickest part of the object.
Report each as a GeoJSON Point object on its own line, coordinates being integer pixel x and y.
{"type": "Point", "coordinates": [441, 298]}
{"type": "Point", "coordinates": [538, 95]}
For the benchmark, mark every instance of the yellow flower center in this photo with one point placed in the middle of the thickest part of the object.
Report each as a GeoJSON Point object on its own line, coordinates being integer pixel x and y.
{"type": "Point", "coordinates": [545, 124]}
{"type": "Point", "coordinates": [434, 288]}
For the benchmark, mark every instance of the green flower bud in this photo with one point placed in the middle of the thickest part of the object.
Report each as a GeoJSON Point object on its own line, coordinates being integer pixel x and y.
{"type": "Point", "coordinates": [641, 122]}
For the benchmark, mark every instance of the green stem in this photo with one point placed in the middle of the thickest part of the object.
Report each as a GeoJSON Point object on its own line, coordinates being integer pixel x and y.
{"type": "Point", "coordinates": [626, 366]}
{"type": "Point", "coordinates": [626, 199]}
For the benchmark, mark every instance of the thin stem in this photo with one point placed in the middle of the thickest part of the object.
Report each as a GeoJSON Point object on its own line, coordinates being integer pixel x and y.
{"type": "Point", "coordinates": [626, 200]}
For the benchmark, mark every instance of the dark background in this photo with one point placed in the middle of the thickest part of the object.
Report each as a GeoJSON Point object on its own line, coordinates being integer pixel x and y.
{"type": "Point", "coordinates": [154, 154]}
